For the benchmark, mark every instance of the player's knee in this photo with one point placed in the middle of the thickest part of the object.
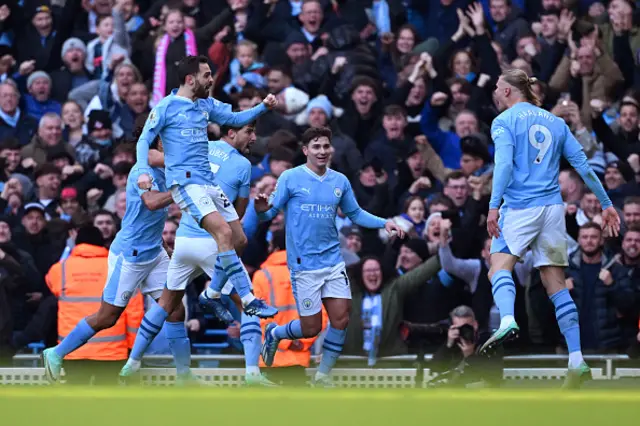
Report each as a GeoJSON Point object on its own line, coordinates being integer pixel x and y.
{"type": "Point", "coordinates": [341, 322]}
{"type": "Point", "coordinates": [240, 242]}
{"type": "Point", "coordinates": [223, 235]}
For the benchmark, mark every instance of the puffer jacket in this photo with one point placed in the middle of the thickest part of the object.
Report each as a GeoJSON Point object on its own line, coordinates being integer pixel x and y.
{"type": "Point", "coordinates": [611, 302]}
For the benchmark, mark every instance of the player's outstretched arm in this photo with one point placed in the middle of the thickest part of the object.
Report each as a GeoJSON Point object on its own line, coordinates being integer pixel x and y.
{"type": "Point", "coordinates": [221, 113]}
{"type": "Point", "coordinates": [361, 217]}
{"type": "Point", "coordinates": [576, 157]}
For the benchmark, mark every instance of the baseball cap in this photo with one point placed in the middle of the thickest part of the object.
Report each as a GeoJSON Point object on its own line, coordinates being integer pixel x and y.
{"type": "Point", "coordinates": [69, 193]}
{"type": "Point", "coordinates": [34, 206]}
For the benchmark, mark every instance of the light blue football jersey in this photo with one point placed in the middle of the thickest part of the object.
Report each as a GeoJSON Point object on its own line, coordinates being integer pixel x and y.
{"type": "Point", "coordinates": [182, 125]}
{"type": "Point", "coordinates": [310, 203]}
{"type": "Point", "coordinates": [140, 238]}
{"type": "Point", "coordinates": [232, 172]}
{"type": "Point", "coordinates": [530, 142]}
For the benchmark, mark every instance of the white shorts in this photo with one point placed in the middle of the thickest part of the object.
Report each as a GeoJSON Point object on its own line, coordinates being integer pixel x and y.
{"type": "Point", "coordinates": [192, 257]}
{"type": "Point", "coordinates": [310, 287]}
{"type": "Point", "coordinates": [540, 228]}
{"type": "Point", "coordinates": [200, 200]}
{"type": "Point", "coordinates": [124, 278]}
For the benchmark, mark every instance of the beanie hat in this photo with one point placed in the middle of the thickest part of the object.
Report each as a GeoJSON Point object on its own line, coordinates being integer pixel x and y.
{"type": "Point", "coordinates": [73, 43]}
{"type": "Point", "coordinates": [321, 102]}
{"type": "Point", "coordinates": [36, 75]}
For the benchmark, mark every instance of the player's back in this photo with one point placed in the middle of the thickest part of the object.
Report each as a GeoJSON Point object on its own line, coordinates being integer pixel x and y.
{"type": "Point", "coordinates": [538, 139]}
{"type": "Point", "coordinates": [232, 172]}
{"type": "Point", "coordinates": [184, 138]}
{"type": "Point", "coordinates": [140, 237]}
{"type": "Point", "coordinates": [310, 214]}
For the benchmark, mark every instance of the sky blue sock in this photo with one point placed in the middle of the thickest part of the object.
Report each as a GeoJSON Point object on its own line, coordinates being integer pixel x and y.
{"type": "Point", "coordinates": [504, 292]}
{"type": "Point", "coordinates": [235, 272]}
{"type": "Point", "coordinates": [149, 328]}
{"type": "Point", "coordinates": [251, 338]}
{"type": "Point", "coordinates": [219, 278]}
{"type": "Point", "coordinates": [331, 349]}
{"type": "Point", "coordinates": [180, 346]}
{"type": "Point", "coordinates": [78, 337]}
{"type": "Point", "coordinates": [567, 317]}
{"type": "Point", "coordinates": [291, 331]}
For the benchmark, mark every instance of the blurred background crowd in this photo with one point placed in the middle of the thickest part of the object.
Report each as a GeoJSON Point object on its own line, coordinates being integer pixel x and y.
{"type": "Point", "coordinates": [405, 85]}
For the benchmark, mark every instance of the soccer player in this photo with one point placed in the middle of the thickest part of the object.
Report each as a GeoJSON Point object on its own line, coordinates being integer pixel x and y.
{"type": "Point", "coordinates": [181, 120]}
{"type": "Point", "coordinates": [310, 196]}
{"type": "Point", "coordinates": [529, 143]}
{"type": "Point", "coordinates": [136, 258]}
{"type": "Point", "coordinates": [196, 251]}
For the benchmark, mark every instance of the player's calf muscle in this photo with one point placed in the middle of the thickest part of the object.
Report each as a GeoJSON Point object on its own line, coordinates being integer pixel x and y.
{"type": "Point", "coordinates": [311, 325]}
{"type": "Point", "coordinates": [106, 317]}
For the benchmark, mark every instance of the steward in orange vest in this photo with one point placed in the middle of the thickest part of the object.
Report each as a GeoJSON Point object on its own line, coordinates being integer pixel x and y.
{"type": "Point", "coordinates": [272, 283]}
{"type": "Point", "coordinates": [78, 282]}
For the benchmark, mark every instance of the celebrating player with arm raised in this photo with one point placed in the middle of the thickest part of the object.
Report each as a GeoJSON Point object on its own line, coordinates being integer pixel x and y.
{"type": "Point", "coordinates": [529, 144]}
{"type": "Point", "coordinates": [310, 196]}
{"type": "Point", "coordinates": [181, 119]}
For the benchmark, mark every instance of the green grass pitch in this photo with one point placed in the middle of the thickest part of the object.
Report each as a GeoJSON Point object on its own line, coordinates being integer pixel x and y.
{"type": "Point", "coordinates": [71, 406]}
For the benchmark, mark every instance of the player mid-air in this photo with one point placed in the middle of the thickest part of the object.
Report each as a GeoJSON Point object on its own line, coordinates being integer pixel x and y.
{"type": "Point", "coordinates": [196, 251]}
{"type": "Point", "coordinates": [181, 120]}
{"type": "Point", "coordinates": [529, 144]}
{"type": "Point", "coordinates": [310, 196]}
{"type": "Point", "coordinates": [136, 258]}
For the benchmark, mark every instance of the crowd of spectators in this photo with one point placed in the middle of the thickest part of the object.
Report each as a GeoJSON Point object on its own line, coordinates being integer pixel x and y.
{"type": "Point", "coordinates": [406, 87]}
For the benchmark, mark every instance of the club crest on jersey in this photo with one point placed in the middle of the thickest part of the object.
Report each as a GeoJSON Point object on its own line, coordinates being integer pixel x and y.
{"type": "Point", "coordinates": [337, 192]}
{"type": "Point", "coordinates": [126, 296]}
{"type": "Point", "coordinates": [206, 115]}
{"type": "Point", "coordinates": [153, 117]}
{"type": "Point", "coordinates": [205, 201]}
{"type": "Point", "coordinates": [306, 303]}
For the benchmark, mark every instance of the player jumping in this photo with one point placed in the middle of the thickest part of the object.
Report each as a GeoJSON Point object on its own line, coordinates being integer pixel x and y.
{"type": "Point", "coordinates": [136, 258]}
{"type": "Point", "coordinates": [529, 143]}
{"type": "Point", "coordinates": [196, 251]}
{"type": "Point", "coordinates": [310, 196]}
{"type": "Point", "coordinates": [181, 119]}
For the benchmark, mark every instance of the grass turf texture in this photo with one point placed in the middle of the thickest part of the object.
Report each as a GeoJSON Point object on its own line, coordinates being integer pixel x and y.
{"type": "Point", "coordinates": [354, 407]}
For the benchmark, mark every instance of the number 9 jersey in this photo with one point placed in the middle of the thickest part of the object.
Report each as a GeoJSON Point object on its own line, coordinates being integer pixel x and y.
{"type": "Point", "coordinates": [534, 141]}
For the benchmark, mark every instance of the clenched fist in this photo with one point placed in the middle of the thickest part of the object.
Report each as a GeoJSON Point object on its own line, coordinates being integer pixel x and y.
{"type": "Point", "coordinates": [270, 101]}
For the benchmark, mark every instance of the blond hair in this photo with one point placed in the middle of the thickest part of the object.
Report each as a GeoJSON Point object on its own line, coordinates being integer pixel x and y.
{"type": "Point", "coordinates": [523, 83]}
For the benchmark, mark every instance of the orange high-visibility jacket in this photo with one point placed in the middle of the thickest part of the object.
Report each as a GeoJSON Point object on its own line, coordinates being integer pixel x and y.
{"type": "Point", "coordinates": [78, 282]}
{"type": "Point", "coordinates": [273, 284]}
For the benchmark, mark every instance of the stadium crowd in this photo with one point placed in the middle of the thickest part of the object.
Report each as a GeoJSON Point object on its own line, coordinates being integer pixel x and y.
{"type": "Point", "coordinates": [406, 87]}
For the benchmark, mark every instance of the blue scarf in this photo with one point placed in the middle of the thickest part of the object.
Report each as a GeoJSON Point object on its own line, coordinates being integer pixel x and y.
{"type": "Point", "coordinates": [11, 120]}
{"type": "Point", "coordinates": [371, 325]}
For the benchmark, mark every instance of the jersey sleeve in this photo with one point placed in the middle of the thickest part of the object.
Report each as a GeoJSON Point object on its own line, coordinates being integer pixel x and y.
{"type": "Point", "coordinates": [133, 177]}
{"type": "Point", "coordinates": [504, 145]}
{"type": "Point", "coordinates": [278, 198]}
{"type": "Point", "coordinates": [350, 207]}
{"type": "Point", "coordinates": [573, 152]}
{"type": "Point", "coordinates": [154, 124]}
{"type": "Point", "coordinates": [221, 113]}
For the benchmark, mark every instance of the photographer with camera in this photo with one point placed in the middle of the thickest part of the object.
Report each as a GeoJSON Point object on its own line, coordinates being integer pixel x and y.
{"type": "Point", "coordinates": [456, 363]}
